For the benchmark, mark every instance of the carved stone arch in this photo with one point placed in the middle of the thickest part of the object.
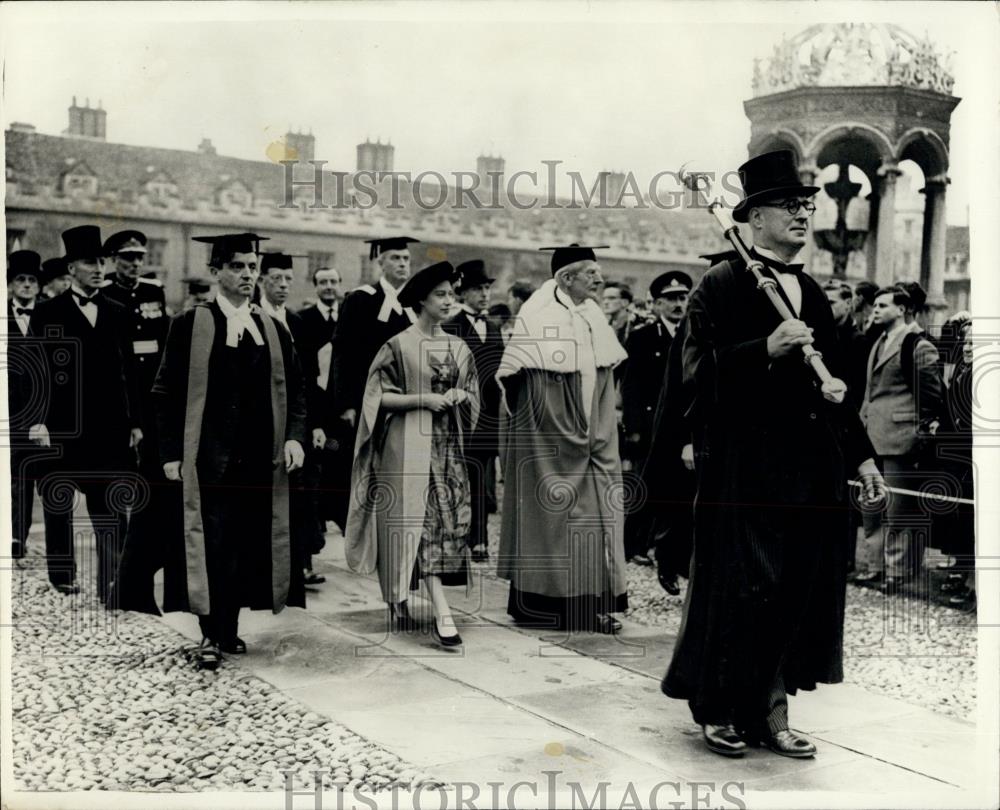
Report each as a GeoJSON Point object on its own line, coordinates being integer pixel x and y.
{"type": "Point", "coordinates": [854, 132]}
{"type": "Point", "coordinates": [781, 138]}
{"type": "Point", "coordinates": [925, 148]}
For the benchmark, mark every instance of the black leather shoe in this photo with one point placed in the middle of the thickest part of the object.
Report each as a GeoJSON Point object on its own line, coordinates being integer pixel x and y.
{"type": "Point", "coordinates": [67, 588]}
{"type": "Point", "coordinates": [312, 578]}
{"type": "Point", "coordinates": [448, 642]}
{"type": "Point", "coordinates": [399, 616]}
{"type": "Point", "coordinates": [236, 646]}
{"type": "Point", "coordinates": [641, 559]}
{"type": "Point", "coordinates": [208, 655]}
{"type": "Point", "coordinates": [789, 744]}
{"type": "Point", "coordinates": [604, 623]}
{"type": "Point", "coordinates": [669, 583]}
{"type": "Point", "coordinates": [723, 740]}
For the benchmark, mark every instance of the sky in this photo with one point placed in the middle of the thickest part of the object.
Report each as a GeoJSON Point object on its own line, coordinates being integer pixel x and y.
{"type": "Point", "coordinates": [640, 88]}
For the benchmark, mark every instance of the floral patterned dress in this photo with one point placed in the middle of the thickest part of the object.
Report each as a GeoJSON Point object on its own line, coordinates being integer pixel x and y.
{"type": "Point", "coordinates": [448, 517]}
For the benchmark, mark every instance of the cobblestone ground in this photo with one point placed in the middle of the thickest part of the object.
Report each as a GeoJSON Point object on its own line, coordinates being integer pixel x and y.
{"type": "Point", "coordinates": [110, 701]}
{"type": "Point", "coordinates": [901, 647]}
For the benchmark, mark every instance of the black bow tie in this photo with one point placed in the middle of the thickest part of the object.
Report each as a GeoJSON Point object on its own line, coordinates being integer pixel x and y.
{"type": "Point", "coordinates": [82, 299]}
{"type": "Point", "coordinates": [781, 267]}
{"type": "Point", "coordinates": [23, 310]}
{"type": "Point", "coordinates": [477, 316]}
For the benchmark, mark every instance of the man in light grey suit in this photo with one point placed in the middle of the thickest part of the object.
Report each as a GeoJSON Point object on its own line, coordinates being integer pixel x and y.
{"type": "Point", "coordinates": [900, 410]}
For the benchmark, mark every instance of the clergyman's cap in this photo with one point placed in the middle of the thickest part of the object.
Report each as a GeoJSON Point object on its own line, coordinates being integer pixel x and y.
{"type": "Point", "coordinates": [563, 256]}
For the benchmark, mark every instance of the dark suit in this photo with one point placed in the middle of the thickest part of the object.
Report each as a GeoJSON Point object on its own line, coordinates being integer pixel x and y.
{"type": "Point", "coordinates": [234, 465]}
{"type": "Point", "coordinates": [324, 475]}
{"type": "Point", "coordinates": [91, 404]}
{"type": "Point", "coordinates": [23, 362]}
{"type": "Point", "coordinates": [764, 609]}
{"type": "Point", "coordinates": [360, 334]}
{"type": "Point", "coordinates": [481, 443]}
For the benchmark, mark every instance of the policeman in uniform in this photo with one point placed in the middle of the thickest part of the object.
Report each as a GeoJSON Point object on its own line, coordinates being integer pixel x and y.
{"type": "Point", "coordinates": [146, 332]}
{"type": "Point", "coordinates": [648, 349]}
{"type": "Point", "coordinates": [369, 316]}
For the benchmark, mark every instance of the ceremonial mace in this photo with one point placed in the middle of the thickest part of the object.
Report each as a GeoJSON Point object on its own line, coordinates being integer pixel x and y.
{"type": "Point", "coordinates": [833, 388]}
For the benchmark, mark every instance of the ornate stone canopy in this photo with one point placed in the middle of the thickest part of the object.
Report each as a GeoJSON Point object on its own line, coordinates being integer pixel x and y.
{"type": "Point", "coordinates": [853, 55]}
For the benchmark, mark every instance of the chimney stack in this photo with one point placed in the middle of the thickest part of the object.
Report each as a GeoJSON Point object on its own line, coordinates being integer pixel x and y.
{"type": "Point", "coordinates": [299, 146]}
{"type": "Point", "coordinates": [86, 122]}
{"type": "Point", "coordinates": [205, 147]}
{"type": "Point", "coordinates": [375, 157]}
{"type": "Point", "coordinates": [487, 165]}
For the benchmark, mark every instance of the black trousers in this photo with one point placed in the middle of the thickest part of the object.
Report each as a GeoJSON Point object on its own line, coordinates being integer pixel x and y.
{"type": "Point", "coordinates": [233, 510]}
{"type": "Point", "coordinates": [22, 497]}
{"type": "Point", "coordinates": [478, 462]}
{"type": "Point", "coordinates": [107, 517]}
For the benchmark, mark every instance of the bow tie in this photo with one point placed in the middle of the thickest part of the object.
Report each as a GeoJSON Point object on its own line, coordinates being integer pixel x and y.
{"type": "Point", "coordinates": [23, 310]}
{"type": "Point", "coordinates": [781, 267]}
{"type": "Point", "coordinates": [83, 300]}
{"type": "Point", "coordinates": [477, 316]}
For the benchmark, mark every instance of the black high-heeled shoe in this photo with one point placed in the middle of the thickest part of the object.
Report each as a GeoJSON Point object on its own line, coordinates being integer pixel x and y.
{"type": "Point", "coordinates": [448, 642]}
{"type": "Point", "coordinates": [399, 617]}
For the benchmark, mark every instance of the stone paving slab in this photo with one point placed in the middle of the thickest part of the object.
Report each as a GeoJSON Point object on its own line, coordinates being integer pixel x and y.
{"type": "Point", "coordinates": [516, 702]}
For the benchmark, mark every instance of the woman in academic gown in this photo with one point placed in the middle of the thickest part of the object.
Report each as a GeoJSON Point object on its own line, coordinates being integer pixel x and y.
{"type": "Point", "coordinates": [410, 508]}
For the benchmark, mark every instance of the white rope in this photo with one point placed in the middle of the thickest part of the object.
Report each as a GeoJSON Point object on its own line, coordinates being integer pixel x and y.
{"type": "Point", "coordinates": [916, 494]}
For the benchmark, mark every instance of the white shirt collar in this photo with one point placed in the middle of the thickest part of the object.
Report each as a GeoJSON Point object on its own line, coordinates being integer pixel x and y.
{"type": "Point", "coordinates": [79, 291]}
{"type": "Point", "coordinates": [326, 310]}
{"type": "Point", "coordinates": [238, 319]}
{"type": "Point", "coordinates": [671, 327]}
{"type": "Point", "coordinates": [390, 291]}
{"type": "Point", "coordinates": [770, 254]}
{"type": "Point", "coordinates": [274, 311]}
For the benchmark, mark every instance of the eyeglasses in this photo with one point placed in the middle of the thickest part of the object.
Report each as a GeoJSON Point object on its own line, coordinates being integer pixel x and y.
{"type": "Point", "coordinates": [793, 206]}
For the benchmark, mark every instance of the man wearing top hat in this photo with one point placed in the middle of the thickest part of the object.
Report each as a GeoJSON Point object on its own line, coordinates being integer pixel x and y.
{"type": "Point", "coordinates": [486, 344]}
{"type": "Point", "coordinates": [55, 278]}
{"type": "Point", "coordinates": [24, 273]}
{"type": "Point", "coordinates": [92, 413]}
{"type": "Point", "coordinates": [764, 612]}
{"type": "Point", "coordinates": [369, 316]}
{"type": "Point", "coordinates": [648, 349]}
{"type": "Point", "coordinates": [563, 513]}
{"type": "Point", "coordinates": [231, 411]}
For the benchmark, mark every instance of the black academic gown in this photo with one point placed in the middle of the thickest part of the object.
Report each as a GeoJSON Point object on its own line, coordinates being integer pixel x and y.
{"type": "Point", "coordinates": [234, 458]}
{"type": "Point", "coordinates": [765, 604]}
{"type": "Point", "coordinates": [360, 334]}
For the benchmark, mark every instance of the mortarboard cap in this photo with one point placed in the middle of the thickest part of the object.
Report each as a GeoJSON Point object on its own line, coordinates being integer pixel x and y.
{"type": "Point", "coordinates": [673, 281]}
{"type": "Point", "coordinates": [422, 282]}
{"type": "Point", "coordinates": [125, 241]}
{"type": "Point", "coordinates": [24, 263]}
{"type": "Point", "coordinates": [380, 246]}
{"type": "Point", "coordinates": [279, 261]}
{"type": "Point", "coordinates": [571, 254]}
{"type": "Point", "coordinates": [228, 244]}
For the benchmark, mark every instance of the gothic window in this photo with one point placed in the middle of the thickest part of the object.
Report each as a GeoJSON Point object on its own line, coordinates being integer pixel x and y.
{"type": "Point", "coordinates": [79, 180]}
{"type": "Point", "coordinates": [155, 251]}
{"type": "Point", "coordinates": [159, 187]}
{"type": "Point", "coordinates": [234, 195]}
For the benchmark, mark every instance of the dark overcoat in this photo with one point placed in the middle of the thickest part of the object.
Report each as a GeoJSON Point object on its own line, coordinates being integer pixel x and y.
{"type": "Point", "coordinates": [487, 354]}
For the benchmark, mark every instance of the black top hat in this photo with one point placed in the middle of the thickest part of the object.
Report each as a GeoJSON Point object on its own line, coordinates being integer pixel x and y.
{"type": "Point", "coordinates": [83, 242]}
{"type": "Point", "coordinates": [472, 274]}
{"type": "Point", "coordinates": [52, 269]}
{"type": "Point", "coordinates": [571, 254]}
{"type": "Point", "coordinates": [767, 177]}
{"type": "Point", "coordinates": [125, 242]}
{"type": "Point", "coordinates": [24, 263]}
{"type": "Point", "coordinates": [423, 281]}
{"type": "Point", "coordinates": [379, 246]}
{"type": "Point", "coordinates": [673, 281]}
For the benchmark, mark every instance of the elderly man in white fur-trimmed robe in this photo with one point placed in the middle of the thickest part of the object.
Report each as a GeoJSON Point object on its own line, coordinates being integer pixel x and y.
{"type": "Point", "coordinates": [561, 535]}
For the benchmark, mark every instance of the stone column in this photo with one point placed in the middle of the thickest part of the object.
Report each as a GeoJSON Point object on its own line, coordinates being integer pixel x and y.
{"type": "Point", "coordinates": [932, 251]}
{"type": "Point", "coordinates": [871, 257]}
{"type": "Point", "coordinates": [885, 235]}
{"type": "Point", "coordinates": [808, 172]}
